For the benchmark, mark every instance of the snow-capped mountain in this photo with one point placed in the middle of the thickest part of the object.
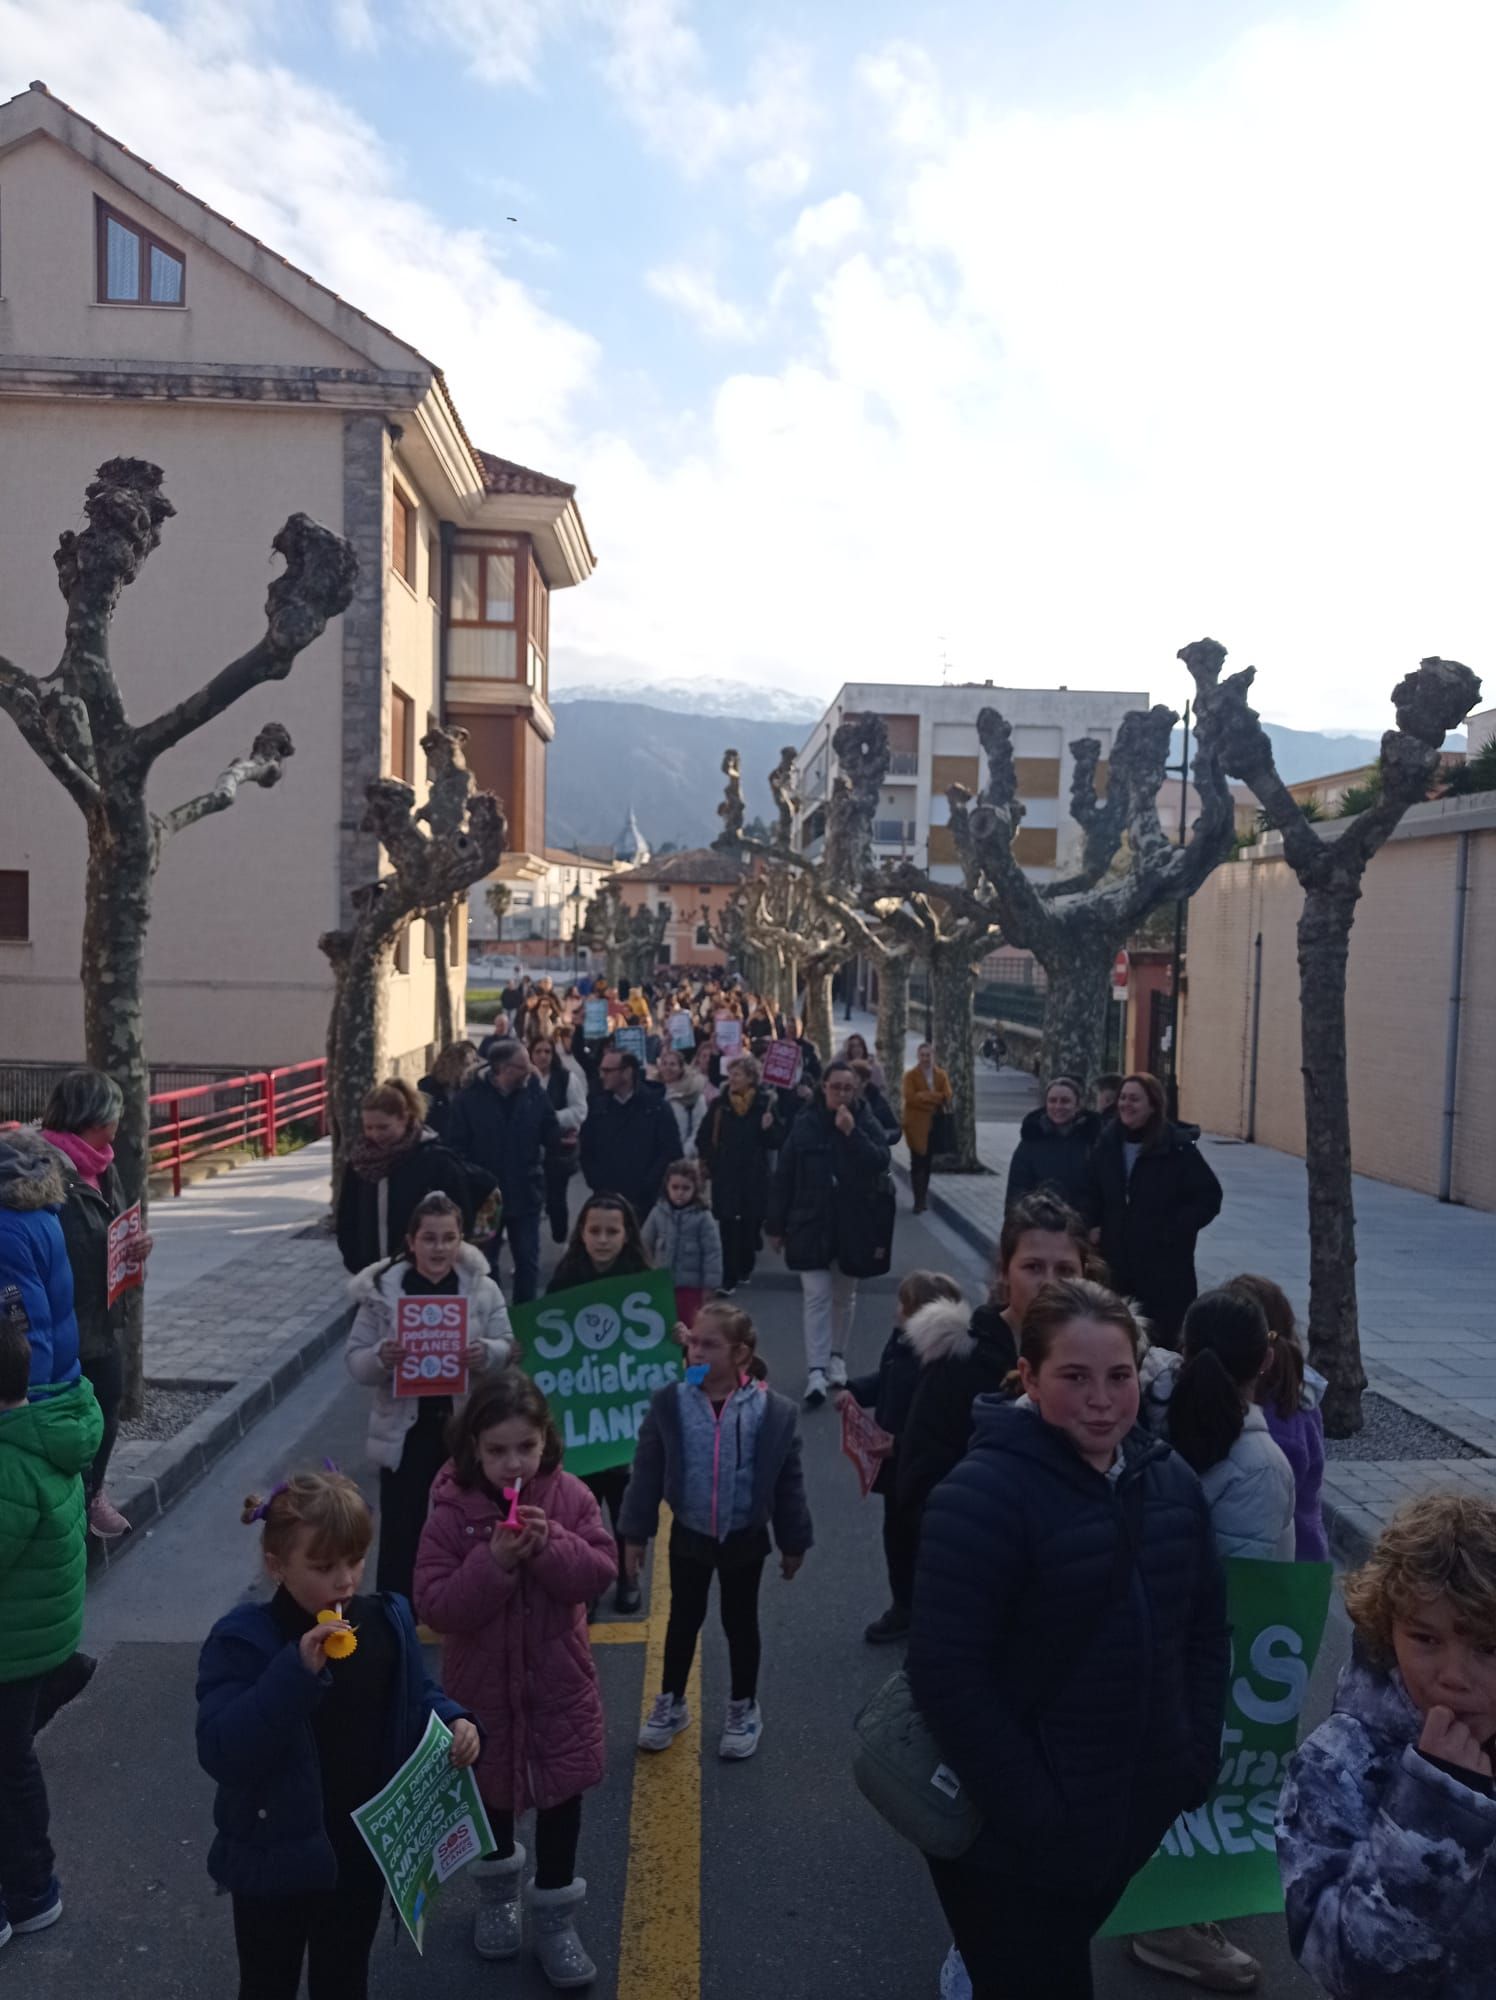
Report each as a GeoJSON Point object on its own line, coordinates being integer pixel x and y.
{"type": "Point", "coordinates": [703, 697]}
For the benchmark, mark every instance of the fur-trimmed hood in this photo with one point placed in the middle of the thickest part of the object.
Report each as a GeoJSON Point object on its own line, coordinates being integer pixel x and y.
{"type": "Point", "coordinates": [948, 1329]}
{"type": "Point", "coordinates": [30, 1171]}
{"type": "Point", "coordinates": [382, 1282]}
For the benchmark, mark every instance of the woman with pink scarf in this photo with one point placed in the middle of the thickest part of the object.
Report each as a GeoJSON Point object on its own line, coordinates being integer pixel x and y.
{"type": "Point", "coordinates": [79, 1124]}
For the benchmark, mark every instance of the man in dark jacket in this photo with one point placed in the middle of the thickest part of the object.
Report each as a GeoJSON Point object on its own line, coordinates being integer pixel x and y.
{"type": "Point", "coordinates": [630, 1135]}
{"type": "Point", "coordinates": [504, 1122]}
{"type": "Point", "coordinates": [1151, 1194]}
{"type": "Point", "coordinates": [830, 1211]}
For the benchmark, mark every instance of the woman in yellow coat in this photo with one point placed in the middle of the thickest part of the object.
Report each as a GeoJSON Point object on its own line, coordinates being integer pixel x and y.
{"type": "Point", "coordinates": [927, 1090]}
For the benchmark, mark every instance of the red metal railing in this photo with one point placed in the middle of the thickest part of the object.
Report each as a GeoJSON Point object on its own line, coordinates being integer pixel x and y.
{"type": "Point", "coordinates": [246, 1110]}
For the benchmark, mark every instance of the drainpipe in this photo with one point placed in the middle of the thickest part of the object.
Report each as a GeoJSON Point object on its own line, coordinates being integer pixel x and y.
{"type": "Point", "coordinates": [442, 635]}
{"type": "Point", "coordinates": [1456, 1003]}
{"type": "Point", "coordinates": [1256, 1030]}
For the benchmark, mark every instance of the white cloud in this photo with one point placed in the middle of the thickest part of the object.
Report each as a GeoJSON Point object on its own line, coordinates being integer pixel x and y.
{"type": "Point", "coordinates": [292, 164]}
{"type": "Point", "coordinates": [828, 225]}
{"type": "Point", "coordinates": [500, 40]}
{"type": "Point", "coordinates": [905, 81]}
{"type": "Point", "coordinates": [356, 25]}
{"type": "Point", "coordinates": [695, 292]}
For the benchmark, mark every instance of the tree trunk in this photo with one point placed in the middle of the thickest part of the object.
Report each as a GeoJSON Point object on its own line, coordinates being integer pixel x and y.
{"type": "Point", "coordinates": [355, 1043]}
{"type": "Point", "coordinates": [446, 1024]}
{"type": "Point", "coordinates": [121, 859]}
{"type": "Point", "coordinates": [952, 975]}
{"type": "Point", "coordinates": [1079, 974]}
{"type": "Point", "coordinates": [1334, 1332]}
{"type": "Point", "coordinates": [820, 1024]}
{"type": "Point", "coordinates": [893, 1017]}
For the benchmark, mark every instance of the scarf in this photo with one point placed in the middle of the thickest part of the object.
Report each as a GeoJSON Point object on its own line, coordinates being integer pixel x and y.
{"type": "Point", "coordinates": [92, 1162]}
{"type": "Point", "coordinates": [376, 1163]}
{"type": "Point", "coordinates": [743, 1101]}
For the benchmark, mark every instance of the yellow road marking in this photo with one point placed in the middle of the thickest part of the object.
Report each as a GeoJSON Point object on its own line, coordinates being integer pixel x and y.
{"type": "Point", "coordinates": [660, 1947]}
{"type": "Point", "coordinates": [620, 1635]}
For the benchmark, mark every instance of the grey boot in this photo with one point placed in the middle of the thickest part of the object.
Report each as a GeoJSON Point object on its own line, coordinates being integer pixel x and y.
{"type": "Point", "coordinates": [496, 1930]}
{"type": "Point", "coordinates": [553, 1930]}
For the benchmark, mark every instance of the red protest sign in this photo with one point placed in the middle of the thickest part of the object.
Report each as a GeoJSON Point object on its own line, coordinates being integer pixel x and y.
{"type": "Point", "coordinates": [867, 1444]}
{"type": "Point", "coordinates": [124, 1266]}
{"type": "Point", "coordinates": [782, 1065]}
{"type": "Point", "coordinates": [433, 1337]}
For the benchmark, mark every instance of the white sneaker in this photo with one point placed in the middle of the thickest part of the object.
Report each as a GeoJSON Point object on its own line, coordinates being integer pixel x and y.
{"type": "Point", "coordinates": [836, 1374]}
{"type": "Point", "coordinates": [815, 1388]}
{"type": "Point", "coordinates": [665, 1721]}
{"type": "Point", "coordinates": [744, 1727]}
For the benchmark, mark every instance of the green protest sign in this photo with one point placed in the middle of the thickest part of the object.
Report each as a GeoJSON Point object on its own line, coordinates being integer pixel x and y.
{"type": "Point", "coordinates": [597, 1354]}
{"type": "Point", "coordinates": [426, 1824]}
{"type": "Point", "coordinates": [1221, 1861]}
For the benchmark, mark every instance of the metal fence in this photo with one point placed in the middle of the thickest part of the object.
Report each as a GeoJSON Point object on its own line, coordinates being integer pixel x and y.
{"type": "Point", "coordinates": [240, 1111]}
{"type": "Point", "coordinates": [1019, 1002]}
{"type": "Point", "coordinates": [25, 1086]}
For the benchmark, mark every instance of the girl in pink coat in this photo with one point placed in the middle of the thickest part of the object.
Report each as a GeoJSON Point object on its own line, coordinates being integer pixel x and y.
{"type": "Point", "coordinates": [512, 1552]}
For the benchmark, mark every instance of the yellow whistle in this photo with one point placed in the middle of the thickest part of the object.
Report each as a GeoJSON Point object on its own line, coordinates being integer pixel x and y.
{"type": "Point", "coordinates": [339, 1644]}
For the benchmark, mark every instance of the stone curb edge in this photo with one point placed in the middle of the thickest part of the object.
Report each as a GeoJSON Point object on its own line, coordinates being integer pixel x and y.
{"type": "Point", "coordinates": [180, 1461]}
{"type": "Point", "coordinates": [1352, 1530]}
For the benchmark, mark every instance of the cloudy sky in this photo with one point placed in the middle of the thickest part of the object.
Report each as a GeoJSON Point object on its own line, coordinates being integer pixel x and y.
{"type": "Point", "coordinates": [1009, 339]}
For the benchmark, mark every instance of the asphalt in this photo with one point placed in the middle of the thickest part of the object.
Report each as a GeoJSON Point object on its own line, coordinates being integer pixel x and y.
{"type": "Point", "coordinates": [804, 1893]}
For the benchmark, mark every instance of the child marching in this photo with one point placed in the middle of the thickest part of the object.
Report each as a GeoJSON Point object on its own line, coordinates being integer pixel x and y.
{"type": "Point", "coordinates": [723, 1451]}
{"type": "Point", "coordinates": [407, 1434]}
{"type": "Point", "coordinates": [1387, 1824]}
{"type": "Point", "coordinates": [681, 1236]}
{"type": "Point", "coordinates": [511, 1556]}
{"type": "Point", "coordinates": [297, 1733]}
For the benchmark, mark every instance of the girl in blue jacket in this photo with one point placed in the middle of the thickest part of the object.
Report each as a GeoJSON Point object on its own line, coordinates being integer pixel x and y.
{"type": "Point", "coordinates": [298, 1729]}
{"type": "Point", "coordinates": [1069, 1648]}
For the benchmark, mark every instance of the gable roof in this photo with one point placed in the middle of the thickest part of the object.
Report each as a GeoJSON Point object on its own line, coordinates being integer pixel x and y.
{"type": "Point", "coordinates": [702, 865]}
{"type": "Point", "coordinates": [561, 530]}
{"type": "Point", "coordinates": [502, 475]}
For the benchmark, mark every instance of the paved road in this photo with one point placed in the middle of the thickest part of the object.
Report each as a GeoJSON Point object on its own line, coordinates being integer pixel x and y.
{"type": "Point", "coordinates": [803, 1892]}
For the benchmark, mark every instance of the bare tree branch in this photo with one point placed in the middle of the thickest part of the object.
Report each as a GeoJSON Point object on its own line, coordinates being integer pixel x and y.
{"type": "Point", "coordinates": [316, 585]}
{"type": "Point", "coordinates": [125, 508]}
{"type": "Point", "coordinates": [22, 698]}
{"type": "Point", "coordinates": [265, 765]}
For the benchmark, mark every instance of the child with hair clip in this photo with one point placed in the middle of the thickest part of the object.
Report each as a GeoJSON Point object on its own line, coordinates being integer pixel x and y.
{"type": "Point", "coordinates": [723, 1451]}
{"type": "Point", "coordinates": [1387, 1821]}
{"type": "Point", "coordinates": [306, 1707]}
{"type": "Point", "coordinates": [513, 1552]}
{"type": "Point", "coordinates": [605, 1243]}
{"type": "Point", "coordinates": [1288, 1393]}
{"type": "Point", "coordinates": [889, 1393]}
{"type": "Point", "coordinates": [407, 1434]}
{"type": "Point", "coordinates": [681, 1236]}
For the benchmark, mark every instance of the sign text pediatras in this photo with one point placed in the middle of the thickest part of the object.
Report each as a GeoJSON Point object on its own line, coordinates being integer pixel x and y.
{"type": "Point", "coordinates": [597, 1354]}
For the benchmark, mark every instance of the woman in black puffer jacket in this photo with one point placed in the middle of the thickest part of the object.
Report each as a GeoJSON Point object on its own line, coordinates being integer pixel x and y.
{"type": "Point", "coordinates": [1054, 1148]}
{"type": "Point", "coordinates": [1069, 1649]}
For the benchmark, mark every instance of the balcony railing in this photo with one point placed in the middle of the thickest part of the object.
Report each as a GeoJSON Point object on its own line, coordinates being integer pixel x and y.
{"type": "Point", "coordinates": [903, 764]}
{"type": "Point", "coordinates": [895, 832]}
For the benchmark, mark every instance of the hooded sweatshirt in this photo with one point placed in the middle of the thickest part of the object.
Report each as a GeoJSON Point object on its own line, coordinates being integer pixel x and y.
{"type": "Point", "coordinates": [33, 1253]}
{"type": "Point", "coordinates": [44, 1448]}
{"type": "Point", "coordinates": [1386, 1856]}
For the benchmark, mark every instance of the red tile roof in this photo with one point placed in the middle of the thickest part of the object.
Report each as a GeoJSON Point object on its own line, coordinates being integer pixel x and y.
{"type": "Point", "coordinates": [502, 475]}
{"type": "Point", "coordinates": [701, 865]}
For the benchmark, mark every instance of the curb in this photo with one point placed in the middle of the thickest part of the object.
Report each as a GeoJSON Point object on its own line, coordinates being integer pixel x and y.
{"type": "Point", "coordinates": [179, 1462]}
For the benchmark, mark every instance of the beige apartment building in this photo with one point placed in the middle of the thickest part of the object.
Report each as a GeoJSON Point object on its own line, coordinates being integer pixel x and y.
{"type": "Point", "coordinates": [932, 734]}
{"type": "Point", "coordinates": [136, 321]}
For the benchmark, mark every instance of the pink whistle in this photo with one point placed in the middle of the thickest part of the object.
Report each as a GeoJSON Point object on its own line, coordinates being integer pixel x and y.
{"type": "Point", "coordinates": [511, 1494]}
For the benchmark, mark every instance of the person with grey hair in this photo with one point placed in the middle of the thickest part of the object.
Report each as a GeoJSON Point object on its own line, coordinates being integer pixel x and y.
{"type": "Point", "coordinates": [79, 1124]}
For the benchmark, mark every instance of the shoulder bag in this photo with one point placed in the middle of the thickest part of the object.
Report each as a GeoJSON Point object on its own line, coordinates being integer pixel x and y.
{"type": "Point", "coordinates": [898, 1766]}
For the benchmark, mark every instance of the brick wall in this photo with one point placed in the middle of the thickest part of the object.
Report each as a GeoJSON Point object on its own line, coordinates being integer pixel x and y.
{"type": "Point", "coordinates": [1397, 1006]}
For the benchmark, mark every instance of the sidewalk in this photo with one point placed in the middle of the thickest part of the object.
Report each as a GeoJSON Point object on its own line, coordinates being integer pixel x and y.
{"type": "Point", "coordinates": [1426, 1280]}
{"type": "Point", "coordinates": [240, 1303]}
